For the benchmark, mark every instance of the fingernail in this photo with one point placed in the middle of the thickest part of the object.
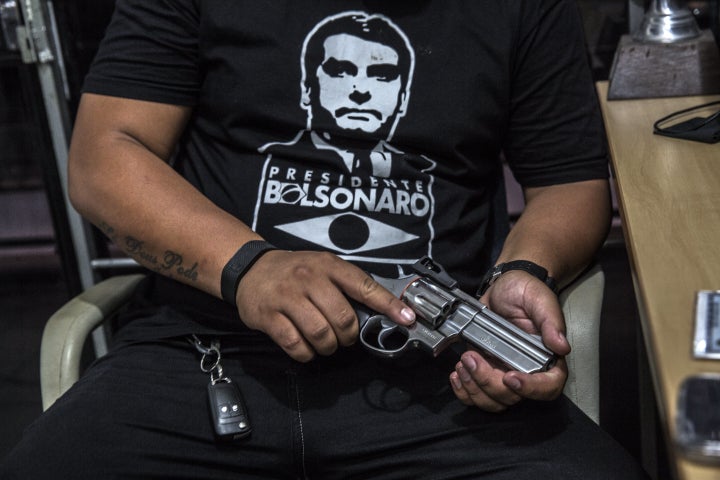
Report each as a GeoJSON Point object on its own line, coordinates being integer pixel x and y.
{"type": "Point", "coordinates": [408, 314]}
{"type": "Point", "coordinates": [514, 383]}
{"type": "Point", "coordinates": [463, 374]}
{"type": "Point", "coordinates": [469, 363]}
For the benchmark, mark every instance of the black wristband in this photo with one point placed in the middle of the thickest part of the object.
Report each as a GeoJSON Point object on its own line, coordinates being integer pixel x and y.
{"type": "Point", "coordinates": [238, 266]}
{"type": "Point", "coordinates": [525, 265]}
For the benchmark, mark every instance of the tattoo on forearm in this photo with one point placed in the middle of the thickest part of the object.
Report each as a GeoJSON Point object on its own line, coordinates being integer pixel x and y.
{"type": "Point", "coordinates": [172, 263]}
{"type": "Point", "coordinates": [109, 231]}
{"type": "Point", "coordinates": [136, 249]}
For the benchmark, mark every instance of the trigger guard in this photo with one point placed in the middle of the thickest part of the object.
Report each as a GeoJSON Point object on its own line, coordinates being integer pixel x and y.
{"type": "Point", "coordinates": [387, 328]}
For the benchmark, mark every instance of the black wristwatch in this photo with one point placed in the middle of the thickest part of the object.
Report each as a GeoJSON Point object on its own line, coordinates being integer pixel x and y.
{"type": "Point", "coordinates": [525, 265]}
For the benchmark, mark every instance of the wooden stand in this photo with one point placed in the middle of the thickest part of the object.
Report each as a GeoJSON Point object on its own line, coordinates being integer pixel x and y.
{"type": "Point", "coordinates": [649, 70]}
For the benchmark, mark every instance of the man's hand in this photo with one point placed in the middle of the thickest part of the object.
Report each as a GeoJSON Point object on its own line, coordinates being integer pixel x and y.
{"type": "Point", "coordinates": [300, 300]}
{"type": "Point", "coordinates": [530, 304]}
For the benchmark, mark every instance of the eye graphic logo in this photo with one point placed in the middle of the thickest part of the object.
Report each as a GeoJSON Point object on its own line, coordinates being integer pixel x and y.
{"type": "Point", "coordinates": [349, 233]}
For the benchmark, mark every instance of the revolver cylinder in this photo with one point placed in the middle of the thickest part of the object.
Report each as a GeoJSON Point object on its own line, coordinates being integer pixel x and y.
{"type": "Point", "coordinates": [428, 301]}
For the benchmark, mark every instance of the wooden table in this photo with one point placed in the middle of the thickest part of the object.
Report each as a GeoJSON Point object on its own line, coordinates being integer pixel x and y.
{"type": "Point", "coordinates": [669, 198]}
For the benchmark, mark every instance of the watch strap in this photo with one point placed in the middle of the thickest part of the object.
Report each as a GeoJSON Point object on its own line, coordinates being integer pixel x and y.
{"type": "Point", "coordinates": [238, 266]}
{"type": "Point", "coordinates": [525, 265]}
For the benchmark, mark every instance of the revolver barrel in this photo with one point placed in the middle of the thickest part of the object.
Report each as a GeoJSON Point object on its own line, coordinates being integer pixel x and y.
{"type": "Point", "coordinates": [516, 348]}
{"type": "Point", "coordinates": [447, 315]}
{"type": "Point", "coordinates": [457, 315]}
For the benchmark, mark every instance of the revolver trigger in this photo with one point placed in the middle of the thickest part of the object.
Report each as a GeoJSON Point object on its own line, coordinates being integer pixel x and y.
{"type": "Point", "coordinates": [387, 329]}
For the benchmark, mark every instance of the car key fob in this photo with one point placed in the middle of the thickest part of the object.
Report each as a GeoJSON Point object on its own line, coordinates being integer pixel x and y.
{"type": "Point", "coordinates": [227, 407]}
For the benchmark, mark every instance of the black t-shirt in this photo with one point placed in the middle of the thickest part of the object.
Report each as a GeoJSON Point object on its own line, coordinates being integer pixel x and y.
{"type": "Point", "coordinates": [372, 129]}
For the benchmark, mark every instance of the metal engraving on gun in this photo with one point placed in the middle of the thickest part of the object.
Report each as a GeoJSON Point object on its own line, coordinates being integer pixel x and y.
{"type": "Point", "coordinates": [447, 315]}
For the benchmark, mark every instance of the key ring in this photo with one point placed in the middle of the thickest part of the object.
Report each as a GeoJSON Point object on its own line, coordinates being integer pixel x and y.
{"type": "Point", "coordinates": [207, 364]}
{"type": "Point", "coordinates": [210, 360]}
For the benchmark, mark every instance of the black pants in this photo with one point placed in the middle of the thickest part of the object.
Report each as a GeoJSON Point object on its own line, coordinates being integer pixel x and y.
{"type": "Point", "coordinates": [141, 412]}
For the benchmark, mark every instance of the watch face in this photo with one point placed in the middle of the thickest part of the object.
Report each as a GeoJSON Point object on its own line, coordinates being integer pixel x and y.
{"type": "Point", "coordinates": [489, 279]}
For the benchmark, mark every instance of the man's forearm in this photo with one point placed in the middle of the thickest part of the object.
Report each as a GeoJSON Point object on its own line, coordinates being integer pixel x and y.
{"type": "Point", "coordinates": [561, 228]}
{"type": "Point", "coordinates": [177, 233]}
{"type": "Point", "coordinates": [120, 180]}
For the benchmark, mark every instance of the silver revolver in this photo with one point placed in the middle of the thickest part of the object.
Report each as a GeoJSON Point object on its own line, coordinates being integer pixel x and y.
{"type": "Point", "coordinates": [447, 315]}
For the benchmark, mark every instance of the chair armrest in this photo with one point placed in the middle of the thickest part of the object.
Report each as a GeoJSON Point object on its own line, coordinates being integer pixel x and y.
{"type": "Point", "coordinates": [67, 330]}
{"type": "Point", "coordinates": [582, 306]}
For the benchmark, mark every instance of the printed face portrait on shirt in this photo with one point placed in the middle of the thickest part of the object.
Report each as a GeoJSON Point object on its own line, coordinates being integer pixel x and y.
{"type": "Point", "coordinates": [356, 75]}
{"type": "Point", "coordinates": [359, 82]}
